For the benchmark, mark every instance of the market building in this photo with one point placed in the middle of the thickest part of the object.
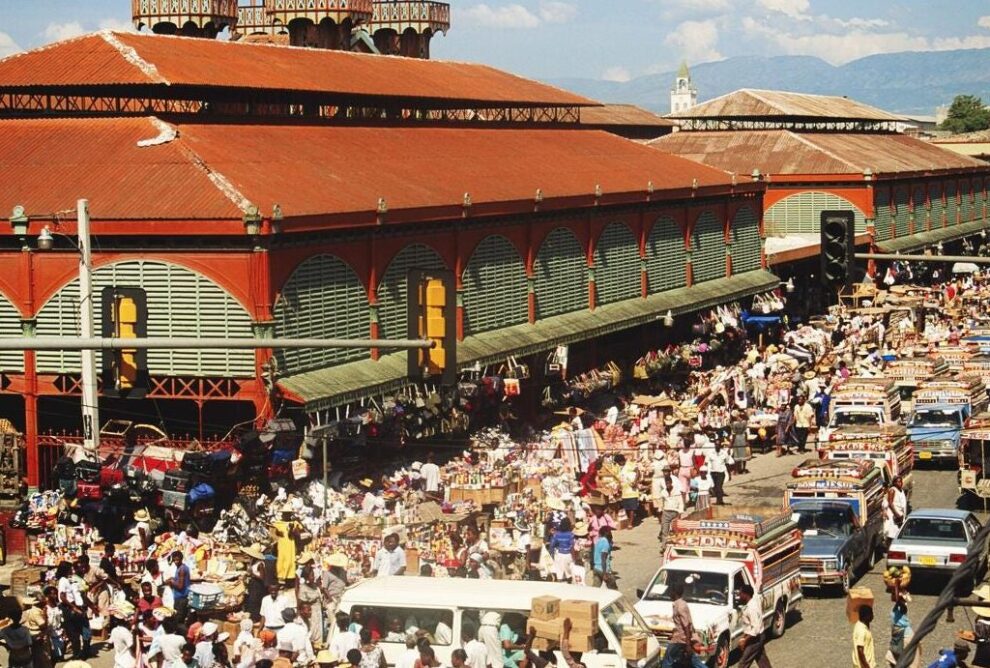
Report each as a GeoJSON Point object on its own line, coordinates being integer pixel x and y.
{"type": "Point", "coordinates": [288, 193]}
{"type": "Point", "coordinates": [818, 153]}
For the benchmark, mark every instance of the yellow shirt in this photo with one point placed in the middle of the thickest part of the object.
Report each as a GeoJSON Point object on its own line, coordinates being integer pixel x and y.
{"type": "Point", "coordinates": [863, 637]}
{"type": "Point", "coordinates": [627, 477]}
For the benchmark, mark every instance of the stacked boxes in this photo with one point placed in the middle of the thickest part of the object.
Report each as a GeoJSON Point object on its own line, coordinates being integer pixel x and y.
{"type": "Point", "coordinates": [547, 621]}
{"type": "Point", "coordinates": [857, 596]}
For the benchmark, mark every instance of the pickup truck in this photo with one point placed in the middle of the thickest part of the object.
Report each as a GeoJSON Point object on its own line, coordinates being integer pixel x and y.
{"type": "Point", "coordinates": [935, 431]}
{"type": "Point", "coordinates": [838, 505]}
{"type": "Point", "coordinates": [713, 554]}
{"type": "Point", "coordinates": [852, 416]}
{"type": "Point", "coordinates": [862, 402]}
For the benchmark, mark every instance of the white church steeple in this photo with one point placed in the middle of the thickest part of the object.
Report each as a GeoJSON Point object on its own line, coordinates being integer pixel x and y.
{"type": "Point", "coordinates": [683, 95]}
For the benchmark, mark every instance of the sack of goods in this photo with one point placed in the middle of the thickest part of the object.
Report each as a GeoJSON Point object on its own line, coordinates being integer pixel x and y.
{"type": "Point", "coordinates": [547, 615]}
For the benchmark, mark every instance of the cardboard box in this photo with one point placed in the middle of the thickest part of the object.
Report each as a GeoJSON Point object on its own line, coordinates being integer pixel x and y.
{"type": "Point", "coordinates": [549, 629]}
{"type": "Point", "coordinates": [543, 645]}
{"type": "Point", "coordinates": [579, 642]}
{"type": "Point", "coordinates": [857, 596]}
{"type": "Point", "coordinates": [583, 615]}
{"type": "Point", "coordinates": [545, 607]}
{"type": "Point", "coordinates": [634, 647]}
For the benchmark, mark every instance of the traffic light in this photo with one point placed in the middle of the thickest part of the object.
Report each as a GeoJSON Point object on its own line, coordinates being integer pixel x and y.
{"type": "Point", "coordinates": [125, 316]}
{"type": "Point", "coordinates": [432, 300]}
{"type": "Point", "coordinates": [838, 243]}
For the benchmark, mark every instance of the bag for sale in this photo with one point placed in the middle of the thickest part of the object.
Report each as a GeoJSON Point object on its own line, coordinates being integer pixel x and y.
{"type": "Point", "coordinates": [512, 387]}
{"type": "Point", "coordinates": [89, 491]}
{"type": "Point", "coordinates": [111, 475]}
{"type": "Point", "coordinates": [197, 462]}
{"type": "Point", "coordinates": [300, 469]}
{"type": "Point", "coordinates": [200, 492]}
{"type": "Point", "coordinates": [88, 471]}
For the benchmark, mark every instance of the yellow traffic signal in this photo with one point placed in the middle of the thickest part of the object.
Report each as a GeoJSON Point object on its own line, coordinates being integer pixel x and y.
{"type": "Point", "coordinates": [125, 316]}
{"type": "Point", "coordinates": [125, 323]}
{"type": "Point", "coordinates": [433, 316]}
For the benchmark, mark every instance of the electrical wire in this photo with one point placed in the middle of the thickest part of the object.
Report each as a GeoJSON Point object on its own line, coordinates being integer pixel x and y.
{"type": "Point", "coordinates": [962, 576]}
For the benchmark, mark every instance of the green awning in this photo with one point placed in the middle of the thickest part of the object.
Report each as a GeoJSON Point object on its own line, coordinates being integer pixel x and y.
{"type": "Point", "coordinates": [334, 386]}
{"type": "Point", "coordinates": [922, 239]}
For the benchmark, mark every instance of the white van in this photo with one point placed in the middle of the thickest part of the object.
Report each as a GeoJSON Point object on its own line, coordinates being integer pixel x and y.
{"type": "Point", "coordinates": [443, 606]}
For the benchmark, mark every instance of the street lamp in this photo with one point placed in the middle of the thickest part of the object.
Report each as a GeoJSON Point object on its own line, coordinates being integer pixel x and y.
{"type": "Point", "coordinates": [45, 239]}
{"type": "Point", "coordinates": [668, 320]}
{"type": "Point", "coordinates": [789, 285]}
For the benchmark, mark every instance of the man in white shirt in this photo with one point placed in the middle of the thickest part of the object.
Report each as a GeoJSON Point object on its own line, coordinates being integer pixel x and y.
{"type": "Point", "coordinates": [410, 656]}
{"type": "Point", "coordinates": [296, 636]}
{"type": "Point", "coordinates": [169, 644]}
{"type": "Point", "coordinates": [488, 634]}
{"type": "Point", "coordinates": [430, 473]}
{"type": "Point", "coordinates": [804, 420]}
{"type": "Point", "coordinates": [751, 640]}
{"type": "Point", "coordinates": [391, 559]}
{"type": "Point", "coordinates": [272, 607]}
{"type": "Point", "coordinates": [477, 653]}
{"type": "Point", "coordinates": [673, 503]}
{"type": "Point", "coordinates": [346, 640]}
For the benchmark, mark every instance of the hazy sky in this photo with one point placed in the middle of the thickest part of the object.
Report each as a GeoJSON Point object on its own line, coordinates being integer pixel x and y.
{"type": "Point", "coordinates": [614, 39]}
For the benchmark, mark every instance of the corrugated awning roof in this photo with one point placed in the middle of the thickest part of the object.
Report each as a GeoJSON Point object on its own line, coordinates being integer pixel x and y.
{"type": "Point", "coordinates": [623, 114]}
{"type": "Point", "coordinates": [749, 103]}
{"type": "Point", "coordinates": [348, 382]}
{"type": "Point", "coordinates": [790, 152]}
{"type": "Point", "coordinates": [215, 171]}
{"type": "Point", "coordinates": [922, 239]}
{"type": "Point", "coordinates": [116, 59]}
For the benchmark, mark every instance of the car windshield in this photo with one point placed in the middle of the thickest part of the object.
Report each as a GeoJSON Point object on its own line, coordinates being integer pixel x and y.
{"type": "Point", "coordinates": [698, 587]}
{"type": "Point", "coordinates": [828, 522]}
{"type": "Point", "coordinates": [936, 418]}
{"type": "Point", "coordinates": [623, 619]}
{"type": "Point", "coordinates": [933, 529]}
{"type": "Point", "coordinates": [855, 419]}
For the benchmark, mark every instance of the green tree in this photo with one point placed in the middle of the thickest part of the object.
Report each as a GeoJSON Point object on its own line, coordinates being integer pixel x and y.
{"type": "Point", "coordinates": [967, 114]}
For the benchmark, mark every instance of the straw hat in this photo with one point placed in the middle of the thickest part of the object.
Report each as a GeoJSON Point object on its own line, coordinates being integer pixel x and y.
{"type": "Point", "coordinates": [28, 600]}
{"type": "Point", "coordinates": [305, 558]}
{"type": "Point", "coordinates": [338, 560]}
{"type": "Point", "coordinates": [809, 375]}
{"type": "Point", "coordinates": [142, 516]}
{"type": "Point", "coordinates": [670, 420]}
{"type": "Point", "coordinates": [326, 656]}
{"type": "Point", "coordinates": [255, 551]}
{"type": "Point", "coordinates": [595, 499]}
{"type": "Point", "coordinates": [580, 528]}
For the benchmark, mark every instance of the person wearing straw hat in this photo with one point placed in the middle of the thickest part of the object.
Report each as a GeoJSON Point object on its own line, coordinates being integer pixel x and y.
{"type": "Point", "coordinates": [141, 531]}
{"type": "Point", "coordinates": [36, 622]}
{"type": "Point", "coordinates": [326, 659]}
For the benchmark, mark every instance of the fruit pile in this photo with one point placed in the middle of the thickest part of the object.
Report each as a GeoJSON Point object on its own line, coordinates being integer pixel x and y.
{"type": "Point", "coordinates": [899, 576]}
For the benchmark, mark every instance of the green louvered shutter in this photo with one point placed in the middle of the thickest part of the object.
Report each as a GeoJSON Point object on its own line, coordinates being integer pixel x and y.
{"type": "Point", "coordinates": [902, 216]}
{"type": "Point", "coordinates": [966, 204]}
{"type": "Point", "coordinates": [918, 196]}
{"type": "Point", "coordinates": [495, 291]}
{"type": "Point", "coordinates": [707, 248]}
{"type": "Point", "coordinates": [561, 275]}
{"type": "Point", "coordinates": [10, 326]}
{"type": "Point", "coordinates": [951, 205]}
{"type": "Point", "coordinates": [392, 297]}
{"type": "Point", "coordinates": [666, 266]}
{"type": "Point", "coordinates": [181, 304]}
{"type": "Point", "coordinates": [323, 299]}
{"type": "Point", "coordinates": [801, 213]}
{"type": "Point", "coordinates": [937, 212]}
{"type": "Point", "coordinates": [745, 241]}
{"type": "Point", "coordinates": [617, 265]}
{"type": "Point", "coordinates": [883, 216]}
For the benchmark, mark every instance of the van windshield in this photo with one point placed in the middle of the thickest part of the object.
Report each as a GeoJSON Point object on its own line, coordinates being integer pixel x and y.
{"type": "Point", "coordinates": [623, 619]}
{"type": "Point", "coordinates": [936, 418]}
{"type": "Point", "coordinates": [711, 588]}
{"type": "Point", "coordinates": [856, 419]}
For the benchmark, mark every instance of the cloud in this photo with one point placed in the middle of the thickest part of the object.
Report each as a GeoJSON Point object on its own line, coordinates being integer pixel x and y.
{"type": "Point", "coordinates": [508, 16]}
{"type": "Point", "coordinates": [983, 22]}
{"type": "Point", "coordinates": [694, 7]}
{"type": "Point", "coordinates": [56, 32]}
{"type": "Point", "coordinates": [8, 46]}
{"type": "Point", "coordinates": [617, 73]}
{"type": "Point", "coordinates": [796, 9]}
{"type": "Point", "coordinates": [695, 41]}
{"type": "Point", "coordinates": [557, 12]}
{"type": "Point", "coordinates": [117, 25]}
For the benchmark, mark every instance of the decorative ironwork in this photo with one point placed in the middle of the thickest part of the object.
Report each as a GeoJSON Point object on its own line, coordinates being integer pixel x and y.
{"type": "Point", "coordinates": [284, 11]}
{"type": "Point", "coordinates": [799, 124]}
{"type": "Point", "coordinates": [167, 387]}
{"type": "Point", "coordinates": [202, 13]}
{"type": "Point", "coordinates": [401, 16]}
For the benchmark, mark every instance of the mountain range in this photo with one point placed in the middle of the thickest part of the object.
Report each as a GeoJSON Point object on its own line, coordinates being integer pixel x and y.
{"type": "Point", "coordinates": [912, 82]}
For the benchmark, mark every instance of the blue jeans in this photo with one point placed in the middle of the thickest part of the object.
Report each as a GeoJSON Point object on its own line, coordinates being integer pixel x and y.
{"type": "Point", "coordinates": [676, 655]}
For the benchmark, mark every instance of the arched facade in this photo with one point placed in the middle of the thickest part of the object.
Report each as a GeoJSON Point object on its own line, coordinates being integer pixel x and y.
{"type": "Point", "coordinates": [392, 297]}
{"type": "Point", "coordinates": [746, 245]}
{"type": "Point", "coordinates": [181, 303]}
{"type": "Point", "coordinates": [618, 273]}
{"type": "Point", "coordinates": [10, 325]}
{"type": "Point", "coordinates": [323, 298]}
{"type": "Point", "coordinates": [665, 265]}
{"type": "Point", "coordinates": [707, 248]}
{"type": "Point", "coordinates": [561, 275]}
{"type": "Point", "coordinates": [494, 287]}
{"type": "Point", "coordinates": [801, 213]}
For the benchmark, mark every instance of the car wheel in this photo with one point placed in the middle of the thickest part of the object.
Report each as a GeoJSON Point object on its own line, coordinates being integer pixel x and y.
{"type": "Point", "coordinates": [779, 622]}
{"type": "Point", "coordinates": [722, 652]}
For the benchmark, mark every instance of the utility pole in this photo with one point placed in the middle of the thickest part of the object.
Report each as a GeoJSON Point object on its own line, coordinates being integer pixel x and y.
{"type": "Point", "coordinates": [90, 398]}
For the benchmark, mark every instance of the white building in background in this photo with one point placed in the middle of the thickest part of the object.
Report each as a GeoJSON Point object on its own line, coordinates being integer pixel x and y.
{"type": "Point", "coordinates": [683, 95]}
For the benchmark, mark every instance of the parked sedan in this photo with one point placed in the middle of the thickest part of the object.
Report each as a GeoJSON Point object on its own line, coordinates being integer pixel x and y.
{"type": "Point", "coordinates": [936, 540]}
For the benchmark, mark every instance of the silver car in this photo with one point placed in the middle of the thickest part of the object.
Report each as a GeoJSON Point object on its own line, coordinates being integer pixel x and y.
{"type": "Point", "coordinates": [936, 540]}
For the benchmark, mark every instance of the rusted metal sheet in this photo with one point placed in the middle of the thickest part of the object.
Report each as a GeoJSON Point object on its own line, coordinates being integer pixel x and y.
{"type": "Point", "coordinates": [753, 103]}
{"type": "Point", "coordinates": [623, 114]}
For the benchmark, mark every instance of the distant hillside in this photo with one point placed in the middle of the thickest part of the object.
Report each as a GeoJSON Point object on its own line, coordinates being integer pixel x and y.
{"type": "Point", "coordinates": [909, 82]}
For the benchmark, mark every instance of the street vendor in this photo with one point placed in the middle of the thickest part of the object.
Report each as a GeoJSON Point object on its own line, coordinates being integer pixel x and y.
{"type": "Point", "coordinates": [286, 531]}
{"type": "Point", "coordinates": [391, 559]}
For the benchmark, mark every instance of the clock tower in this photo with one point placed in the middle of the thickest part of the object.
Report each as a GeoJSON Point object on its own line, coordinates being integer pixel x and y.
{"type": "Point", "coordinates": [683, 95]}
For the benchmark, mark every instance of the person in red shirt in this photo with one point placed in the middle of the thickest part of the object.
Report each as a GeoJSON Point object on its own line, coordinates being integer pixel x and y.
{"type": "Point", "coordinates": [149, 601]}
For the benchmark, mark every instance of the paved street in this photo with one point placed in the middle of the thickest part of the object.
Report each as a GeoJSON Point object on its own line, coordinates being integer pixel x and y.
{"type": "Point", "coordinates": [819, 637]}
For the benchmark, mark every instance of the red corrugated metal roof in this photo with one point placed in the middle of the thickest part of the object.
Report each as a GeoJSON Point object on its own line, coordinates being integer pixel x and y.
{"type": "Point", "coordinates": [787, 152]}
{"type": "Point", "coordinates": [315, 170]}
{"type": "Point", "coordinates": [47, 165]}
{"type": "Point", "coordinates": [340, 169]}
{"type": "Point", "coordinates": [105, 59]}
{"type": "Point", "coordinates": [752, 103]}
